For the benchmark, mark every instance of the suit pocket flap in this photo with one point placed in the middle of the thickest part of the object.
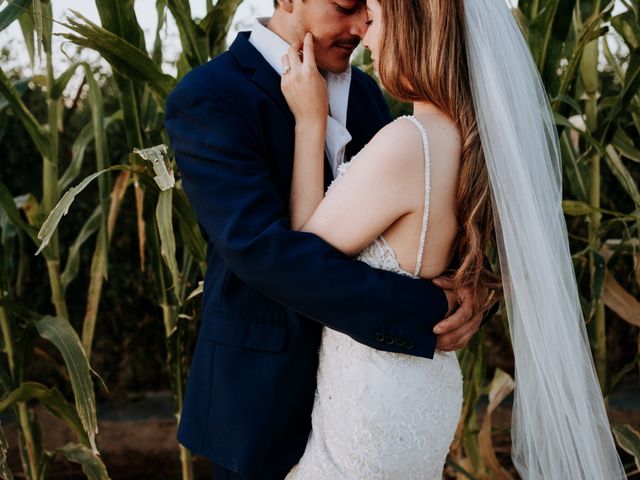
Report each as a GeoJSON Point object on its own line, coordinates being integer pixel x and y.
{"type": "Point", "coordinates": [247, 332]}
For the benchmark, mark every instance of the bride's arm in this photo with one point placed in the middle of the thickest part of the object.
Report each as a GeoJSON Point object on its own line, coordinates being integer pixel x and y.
{"type": "Point", "coordinates": [378, 188]}
{"type": "Point", "coordinates": [307, 184]}
{"type": "Point", "coordinates": [372, 194]}
{"type": "Point", "coordinates": [306, 93]}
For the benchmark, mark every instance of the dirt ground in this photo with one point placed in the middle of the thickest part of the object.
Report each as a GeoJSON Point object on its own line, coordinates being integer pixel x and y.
{"type": "Point", "coordinates": [147, 449]}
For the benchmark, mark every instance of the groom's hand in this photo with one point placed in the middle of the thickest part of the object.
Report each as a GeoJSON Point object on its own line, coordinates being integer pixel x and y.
{"type": "Point", "coordinates": [462, 320]}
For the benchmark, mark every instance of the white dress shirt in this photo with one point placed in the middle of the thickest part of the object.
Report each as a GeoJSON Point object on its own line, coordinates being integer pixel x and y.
{"type": "Point", "coordinates": [272, 47]}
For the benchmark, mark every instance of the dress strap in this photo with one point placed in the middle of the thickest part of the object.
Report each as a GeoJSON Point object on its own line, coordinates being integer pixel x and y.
{"type": "Point", "coordinates": [427, 189]}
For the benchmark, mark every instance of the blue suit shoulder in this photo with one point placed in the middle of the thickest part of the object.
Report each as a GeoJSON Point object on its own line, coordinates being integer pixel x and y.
{"type": "Point", "coordinates": [216, 77]}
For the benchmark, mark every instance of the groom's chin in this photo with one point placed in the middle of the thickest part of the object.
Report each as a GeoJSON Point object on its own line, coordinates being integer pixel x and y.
{"type": "Point", "coordinates": [336, 66]}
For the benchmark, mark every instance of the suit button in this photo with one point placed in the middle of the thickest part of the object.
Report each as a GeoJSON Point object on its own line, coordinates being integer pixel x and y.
{"type": "Point", "coordinates": [399, 342]}
{"type": "Point", "coordinates": [389, 339]}
{"type": "Point", "coordinates": [379, 337]}
{"type": "Point", "coordinates": [408, 344]}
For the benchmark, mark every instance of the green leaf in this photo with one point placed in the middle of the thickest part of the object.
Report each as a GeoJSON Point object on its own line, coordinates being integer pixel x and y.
{"type": "Point", "coordinates": [8, 203]}
{"type": "Point", "coordinates": [623, 175]}
{"type": "Point", "coordinates": [73, 258]}
{"type": "Point", "coordinates": [62, 207]}
{"type": "Point", "coordinates": [12, 11]}
{"type": "Point", "coordinates": [565, 122]}
{"type": "Point", "coordinates": [91, 464]}
{"type": "Point", "coordinates": [631, 86]}
{"type": "Point", "coordinates": [192, 38]}
{"type": "Point", "coordinates": [28, 29]}
{"type": "Point", "coordinates": [572, 168]}
{"type": "Point", "coordinates": [216, 24]}
{"type": "Point", "coordinates": [78, 149]}
{"type": "Point", "coordinates": [547, 34]}
{"type": "Point", "coordinates": [161, 7]}
{"type": "Point", "coordinates": [130, 61]}
{"type": "Point", "coordinates": [629, 440]}
{"type": "Point", "coordinates": [60, 332]}
{"type": "Point", "coordinates": [53, 401]}
{"type": "Point", "coordinates": [119, 17]}
{"type": "Point", "coordinates": [627, 26]}
{"type": "Point", "coordinates": [624, 143]}
{"type": "Point", "coordinates": [35, 130]}
{"type": "Point", "coordinates": [164, 218]}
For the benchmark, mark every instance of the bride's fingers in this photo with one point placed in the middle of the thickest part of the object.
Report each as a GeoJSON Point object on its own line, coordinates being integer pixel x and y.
{"type": "Point", "coordinates": [294, 58]}
{"type": "Point", "coordinates": [309, 57]}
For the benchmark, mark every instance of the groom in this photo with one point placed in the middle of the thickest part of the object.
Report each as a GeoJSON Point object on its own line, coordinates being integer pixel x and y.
{"type": "Point", "coordinates": [268, 290]}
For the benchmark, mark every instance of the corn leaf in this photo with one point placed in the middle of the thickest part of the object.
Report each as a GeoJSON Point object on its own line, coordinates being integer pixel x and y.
{"type": "Point", "coordinates": [8, 203]}
{"type": "Point", "coordinates": [627, 26]}
{"type": "Point", "coordinates": [91, 464]}
{"type": "Point", "coordinates": [60, 332]}
{"type": "Point", "coordinates": [73, 258]}
{"type": "Point", "coordinates": [52, 400]}
{"type": "Point", "coordinates": [546, 35]}
{"type": "Point", "coordinates": [216, 24]}
{"type": "Point", "coordinates": [624, 143]}
{"type": "Point", "coordinates": [631, 86]}
{"type": "Point", "coordinates": [12, 11]}
{"type": "Point", "coordinates": [78, 150]}
{"type": "Point", "coordinates": [99, 263]}
{"type": "Point", "coordinates": [28, 30]}
{"type": "Point", "coordinates": [161, 7]}
{"type": "Point", "coordinates": [623, 175]}
{"type": "Point", "coordinates": [192, 38]}
{"type": "Point", "coordinates": [119, 17]}
{"type": "Point", "coordinates": [35, 130]}
{"type": "Point", "coordinates": [55, 216]}
{"type": "Point", "coordinates": [164, 217]}
{"type": "Point", "coordinates": [629, 440]}
{"type": "Point", "coordinates": [128, 60]}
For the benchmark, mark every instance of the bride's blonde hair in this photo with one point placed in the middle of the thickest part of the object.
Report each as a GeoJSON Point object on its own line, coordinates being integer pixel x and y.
{"type": "Point", "coordinates": [423, 58]}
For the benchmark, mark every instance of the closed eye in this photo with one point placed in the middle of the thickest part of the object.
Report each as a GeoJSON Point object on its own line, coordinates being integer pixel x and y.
{"type": "Point", "coordinates": [345, 10]}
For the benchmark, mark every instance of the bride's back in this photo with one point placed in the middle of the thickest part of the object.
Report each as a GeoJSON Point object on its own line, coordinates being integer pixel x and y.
{"type": "Point", "coordinates": [444, 149]}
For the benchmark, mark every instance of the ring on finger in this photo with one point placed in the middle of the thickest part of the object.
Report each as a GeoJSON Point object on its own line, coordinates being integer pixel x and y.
{"type": "Point", "coordinates": [286, 69]}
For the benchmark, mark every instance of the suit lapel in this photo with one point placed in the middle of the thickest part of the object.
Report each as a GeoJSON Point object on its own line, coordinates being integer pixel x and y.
{"type": "Point", "coordinates": [267, 80]}
{"type": "Point", "coordinates": [264, 77]}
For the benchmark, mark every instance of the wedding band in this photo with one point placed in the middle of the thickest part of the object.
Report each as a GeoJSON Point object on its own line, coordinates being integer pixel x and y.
{"type": "Point", "coordinates": [286, 69]}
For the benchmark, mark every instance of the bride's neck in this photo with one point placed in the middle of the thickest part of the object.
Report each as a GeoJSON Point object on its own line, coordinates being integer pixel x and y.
{"type": "Point", "coordinates": [423, 107]}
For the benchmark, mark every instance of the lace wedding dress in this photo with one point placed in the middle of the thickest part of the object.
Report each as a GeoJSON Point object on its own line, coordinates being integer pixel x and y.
{"type": "Point", "coordinates": [380, 415]}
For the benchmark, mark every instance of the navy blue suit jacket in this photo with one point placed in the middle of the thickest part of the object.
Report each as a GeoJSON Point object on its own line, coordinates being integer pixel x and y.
{"type": "Point", "coordinates": [268, 290]}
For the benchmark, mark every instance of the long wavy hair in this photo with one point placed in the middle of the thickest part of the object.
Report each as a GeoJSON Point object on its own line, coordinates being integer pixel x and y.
{"type": "Point", "coordinates": [423, 59]}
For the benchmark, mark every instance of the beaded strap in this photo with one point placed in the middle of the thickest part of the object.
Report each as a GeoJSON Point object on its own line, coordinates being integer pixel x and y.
{"type": "Point", "coordinates": [427, 189]}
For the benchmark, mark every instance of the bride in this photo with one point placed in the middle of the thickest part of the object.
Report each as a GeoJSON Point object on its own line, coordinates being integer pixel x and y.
{"type": "Point", "coordinates": [478, 158]}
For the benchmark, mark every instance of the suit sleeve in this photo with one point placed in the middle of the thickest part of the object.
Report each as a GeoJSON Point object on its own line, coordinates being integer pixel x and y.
{"type": "Point", "coordinates": [227, 181]}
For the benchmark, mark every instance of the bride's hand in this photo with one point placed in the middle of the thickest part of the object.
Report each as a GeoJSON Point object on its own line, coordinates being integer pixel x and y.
{"type": "Point", "coordinates": [303, 86]}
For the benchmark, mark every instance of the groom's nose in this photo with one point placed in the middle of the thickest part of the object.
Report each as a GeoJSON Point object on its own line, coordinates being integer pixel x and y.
{"type": "Point", "coordinates": [358, 25]}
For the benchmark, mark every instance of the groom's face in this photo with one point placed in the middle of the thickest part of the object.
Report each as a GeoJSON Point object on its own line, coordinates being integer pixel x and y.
{"type": "Point", "coordinates": [337, 27]}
